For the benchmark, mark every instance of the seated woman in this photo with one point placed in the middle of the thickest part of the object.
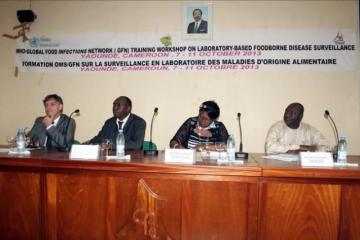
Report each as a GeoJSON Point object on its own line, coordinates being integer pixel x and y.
{"type": "Point", "coordinates": [201, 131]}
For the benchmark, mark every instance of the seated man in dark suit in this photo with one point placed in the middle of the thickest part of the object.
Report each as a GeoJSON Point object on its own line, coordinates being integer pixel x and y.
{"type": "Point", "coordinates": [55, 129]}
{"type": "Point", "coordinates": [199, 25]}
{"type": "Point", "coordinates": [133, 126]}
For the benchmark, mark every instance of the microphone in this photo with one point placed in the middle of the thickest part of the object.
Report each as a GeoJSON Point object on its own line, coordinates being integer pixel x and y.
{"type": "Point", "coordinates": [241, 155]}
{"type": "Point", "coordinates": [152, 151]}
{"type": "Point", "coordinates": [241, 144]}
{"type": "Point", "coordinates": [66, 147]}
{"type": "Point", "coordinates": [327, 116]}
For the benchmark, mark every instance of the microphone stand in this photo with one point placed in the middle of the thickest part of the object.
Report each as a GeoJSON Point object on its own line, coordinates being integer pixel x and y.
{"type": "Point", "coordinates": [151, 151]}
{"type": "Point", "coordinates": [327, 116]}
{"type": "Point", "coordinates": [241, 155]}
{"type": "Point", "coordinates": [66, 147]}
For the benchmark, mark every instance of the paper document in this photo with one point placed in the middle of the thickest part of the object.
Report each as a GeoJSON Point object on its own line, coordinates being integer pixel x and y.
{"type": "Point", "coordinates": [124, 158]}
{"type": "Point", "coordinates": [337, 164]}
{"type": "Point", "coordinates": [283, 157]}
{"type": "Point", "coordinates": [230, 162]}
{"type": "Point", "coordinates": [16, 151]}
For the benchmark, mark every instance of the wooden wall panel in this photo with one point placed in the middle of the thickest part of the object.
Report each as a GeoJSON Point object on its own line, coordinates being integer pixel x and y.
{"type": "Point", "coordinates": [299, 211]}
{"type": "Point", "coordinates": [169, 209]}
{"type": "Point", "coordinates": [79, 207]}
{"type": "Point", "coordinates": [171, 191]}
{"type": "Point", "coordinates": [63, 199]}
{"type": "Point", "coordinates": [218, 210]}
{"type": "Point", "coordinates": [99, 207]}
{"type": "Point", "coordinates": [20, 205]}
{"type": "Point", "coordinates": [350, 219]}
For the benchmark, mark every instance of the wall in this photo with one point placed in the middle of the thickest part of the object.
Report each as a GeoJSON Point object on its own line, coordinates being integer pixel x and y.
{"type": "Point", "coordinates": [260, 96]}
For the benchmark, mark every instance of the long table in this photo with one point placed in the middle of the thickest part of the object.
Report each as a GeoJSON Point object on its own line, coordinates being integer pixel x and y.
{"type": "Point", "coordinates": [46, 195]}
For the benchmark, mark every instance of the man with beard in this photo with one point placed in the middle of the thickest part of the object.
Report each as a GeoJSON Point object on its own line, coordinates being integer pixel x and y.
{"type": "Point", "coordinates": [293, 136]}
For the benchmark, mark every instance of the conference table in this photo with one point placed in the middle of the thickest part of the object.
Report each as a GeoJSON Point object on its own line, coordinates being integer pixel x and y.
{"type": "Point", "coordinates": [47, 195]}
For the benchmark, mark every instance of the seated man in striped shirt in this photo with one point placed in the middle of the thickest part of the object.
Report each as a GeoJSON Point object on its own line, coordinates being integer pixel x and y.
{"type": "Point", "coordinates": [201, 131]}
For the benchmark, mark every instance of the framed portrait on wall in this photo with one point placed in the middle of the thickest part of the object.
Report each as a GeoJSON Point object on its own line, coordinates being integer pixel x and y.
{"type": "Point", "coordinates": [197, 22]}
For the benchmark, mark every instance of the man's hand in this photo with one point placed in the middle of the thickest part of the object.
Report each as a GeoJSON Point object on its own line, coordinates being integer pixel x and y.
{"type": "Point", "coordinates": [307, 148]}
{"type": "Point", "coordinates": [293, 151]}
{"type": "Point", "coordinates": [48, 120]}
{"type": "Point", "coordinates": [303, 148]}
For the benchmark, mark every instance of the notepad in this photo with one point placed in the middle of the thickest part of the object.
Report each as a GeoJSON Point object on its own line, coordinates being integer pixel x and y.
{"type": "Point", "coordinates": [283, 157]}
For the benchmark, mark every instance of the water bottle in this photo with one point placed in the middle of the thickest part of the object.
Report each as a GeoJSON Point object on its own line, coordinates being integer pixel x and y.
{"type": "Point", "coordinates": [20, 140]}
{"type": "Point", "coordinates": [230, 147]}
{"type": "Point", "coordinates": [120, 144]}
{"type": "Point", "coordinates": [342, 149]}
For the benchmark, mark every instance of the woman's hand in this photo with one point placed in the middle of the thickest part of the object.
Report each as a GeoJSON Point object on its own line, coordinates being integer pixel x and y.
{"type": "Point", "coordinates": [175, 144]}
{"type": "Point", "coordinates": [203, 132]}
{"type": "Point", "coordinates": [205, 147]}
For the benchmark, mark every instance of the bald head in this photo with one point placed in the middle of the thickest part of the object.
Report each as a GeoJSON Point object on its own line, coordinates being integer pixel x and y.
{"type": "Point", "coordinates": [293, 115]}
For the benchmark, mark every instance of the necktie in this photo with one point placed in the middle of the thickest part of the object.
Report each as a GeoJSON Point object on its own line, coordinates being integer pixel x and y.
{"type": "Point", "coordinates": [48, 139]}
{"type": "Point", "coordinates": [48, 142]}
{"type": "Point", "coordinates": [120, 123]}
{"type": "Point", "coordinates": [196, 27]}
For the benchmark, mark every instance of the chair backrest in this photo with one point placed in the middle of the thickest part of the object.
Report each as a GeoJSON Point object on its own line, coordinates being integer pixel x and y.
{"type": "Point", "coordinates": [146, 146]}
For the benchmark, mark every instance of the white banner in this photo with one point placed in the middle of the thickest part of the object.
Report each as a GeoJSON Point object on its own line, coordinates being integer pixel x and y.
{"type": "Point", "coordinates": [252, 50]}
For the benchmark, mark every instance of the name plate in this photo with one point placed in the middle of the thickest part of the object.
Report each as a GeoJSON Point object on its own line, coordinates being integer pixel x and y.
{"type": "Point", "coordinates": [179, 155]}
{"type": "Point", "coordinates": [87, 152]}
{"type": "Point", "coordinates": [316, 159]}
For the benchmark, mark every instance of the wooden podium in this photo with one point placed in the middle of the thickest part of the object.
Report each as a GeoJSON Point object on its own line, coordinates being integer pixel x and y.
{"type": "Point", "coordinates": [48, 196]}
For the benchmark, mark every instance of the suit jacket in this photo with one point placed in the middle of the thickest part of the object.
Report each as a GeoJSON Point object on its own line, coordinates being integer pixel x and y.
{"type": "Point", "coordinates": [134, 131]}
{"type": "Point", "coordinates": [203, 28]}
{"type": "Point", "coordinates": [55, 134]}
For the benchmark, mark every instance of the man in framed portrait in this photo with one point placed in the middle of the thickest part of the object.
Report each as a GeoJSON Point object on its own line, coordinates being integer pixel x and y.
{"type": "Point", "coordinates": [199, 25]}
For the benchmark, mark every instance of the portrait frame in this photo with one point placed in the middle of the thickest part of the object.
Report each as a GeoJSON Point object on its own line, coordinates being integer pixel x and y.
{"type": "Point", "coordinates": [187, 19]}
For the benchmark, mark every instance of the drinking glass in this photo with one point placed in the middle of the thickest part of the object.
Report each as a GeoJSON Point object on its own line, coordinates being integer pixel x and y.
{"type": "Point", "coordinates": [11, 140]}
{"type": "Point", "coordinates": [205, 153]}
{"type": "Point", "coordinates": [219, 147]}
{"type": "Point", "coordinates": [105, 146]}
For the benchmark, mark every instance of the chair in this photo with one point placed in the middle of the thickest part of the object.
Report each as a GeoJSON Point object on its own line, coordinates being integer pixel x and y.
{"type": "Point", "coordinates": [146, 146]}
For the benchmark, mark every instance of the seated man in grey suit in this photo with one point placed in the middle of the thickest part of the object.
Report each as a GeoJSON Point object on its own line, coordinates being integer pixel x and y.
{"type": "Point", "coordinates": [55, 129]}
{"type": "Point", "coordinates": [133, 126]}
{"type": "Point", "coordinates": [199, 25]}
